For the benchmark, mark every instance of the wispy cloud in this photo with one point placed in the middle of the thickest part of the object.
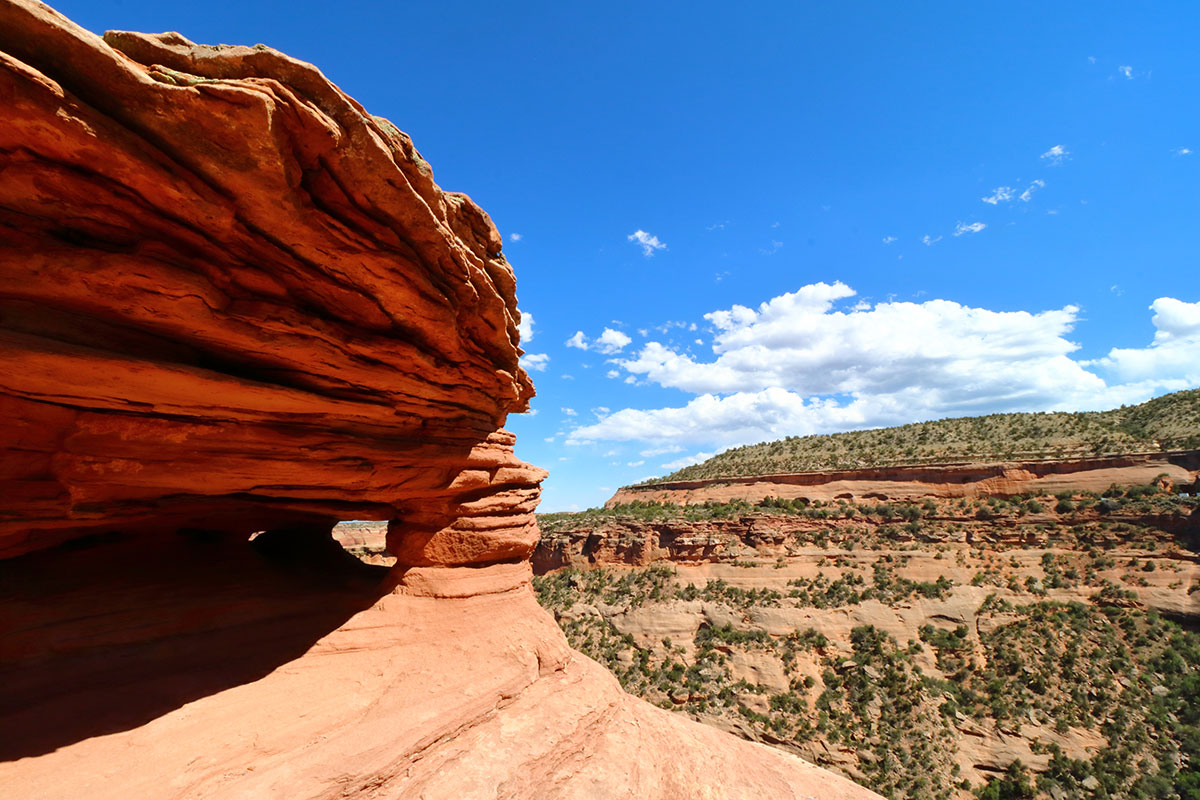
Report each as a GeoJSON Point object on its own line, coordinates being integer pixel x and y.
{"type": "Point", "coordinates": [1127, 72]}
{"type": "Point", "coordinates": [570, 412]}
{"type": "Point", "coordinates": [658, 451]}
{"type": "Point", "coordinates": [772, 250]}
{"type": "Point", "coordinates": [648, 242]}
{"type": "Point", "coordinates": [890, 239]}
{"type": "Point", "coordinates": [930, 241]}
{"type": "Point", "coordinates": [514, 237]}
{"type": "Point", "coordinates": [1055, 155]}
{"type": "Point", "coordinates": [974, 227]}
{"type": "Point", "coordinates": [1006, 194]}
{"type": "Point", "coordinates": [1027, 195]}
{"type": "Point", "coordinates": [687, 461]}
{"type": "Point", "coordinates": [1182, 151]}
{"type": "Point", "coordinates": [1002, 194]}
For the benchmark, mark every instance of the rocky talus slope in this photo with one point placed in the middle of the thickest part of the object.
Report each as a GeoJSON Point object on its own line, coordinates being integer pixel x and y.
{"type": "Point", "coordinates": [234, 309]}
{"type": "Point", "coordinates": [1019, 646]}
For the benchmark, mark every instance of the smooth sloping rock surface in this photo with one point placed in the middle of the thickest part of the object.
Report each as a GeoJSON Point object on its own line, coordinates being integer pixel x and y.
{"type": "Point", "coordinates": [232, 302]}
{"type": "Point", "coordinates": [445, 683]}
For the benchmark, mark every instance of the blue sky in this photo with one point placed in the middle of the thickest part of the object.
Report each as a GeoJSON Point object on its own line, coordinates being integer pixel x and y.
{"type": "Point", "coordinates": [791, 218]}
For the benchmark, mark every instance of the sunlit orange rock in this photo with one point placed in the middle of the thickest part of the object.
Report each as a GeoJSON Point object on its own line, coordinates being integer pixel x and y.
{"type": "Point", "coordinates": [983, 479]}
{"type": "Point", "coordinates": [231, 296]}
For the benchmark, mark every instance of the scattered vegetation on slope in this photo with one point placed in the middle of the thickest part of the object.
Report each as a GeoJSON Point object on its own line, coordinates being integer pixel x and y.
{"type": "Point", "coordinates": [1146, 499]}
{"type": "Point", "coordinates": [1164, 423]}
{"type": "Point", "coordinates": [1040, 638]}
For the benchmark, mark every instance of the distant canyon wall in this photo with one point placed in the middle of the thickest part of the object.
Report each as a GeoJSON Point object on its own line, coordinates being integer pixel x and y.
{"type": "Point", "coordinates": [1004, 479]}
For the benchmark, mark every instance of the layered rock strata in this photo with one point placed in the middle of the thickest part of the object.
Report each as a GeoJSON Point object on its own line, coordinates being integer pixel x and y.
{"type": "Point", "coordinates": [231, 297]}
{"type": "Point", "coordinates": [234, 309]}
{"type": "Point", "coordinates": [995, 479]}
{"type": "Point", "coordinates": [743, 540]}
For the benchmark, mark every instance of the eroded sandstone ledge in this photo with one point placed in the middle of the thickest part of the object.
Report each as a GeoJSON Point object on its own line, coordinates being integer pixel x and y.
{"type": "Point", "coordinates": [231, 297]}
{"type": "Point", "coordinates": [232, 301]}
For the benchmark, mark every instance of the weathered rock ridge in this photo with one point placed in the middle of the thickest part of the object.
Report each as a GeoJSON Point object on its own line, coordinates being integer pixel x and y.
{"type": "Point", "coordinates": [215, 263]}
{"type": "Point", "coordinates": [993, 479]}
{"type": "Point", "coordinates": [233, 303]}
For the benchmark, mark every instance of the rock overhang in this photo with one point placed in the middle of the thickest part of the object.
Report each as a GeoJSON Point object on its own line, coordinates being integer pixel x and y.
{"type": "Point", "coordinates": [229, 296]}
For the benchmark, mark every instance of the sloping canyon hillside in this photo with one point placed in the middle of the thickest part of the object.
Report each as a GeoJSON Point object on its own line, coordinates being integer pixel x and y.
{"type": "Point", "coordinates": [234, 309]}
{"type": "Point", "coordinates": [1001, 630]}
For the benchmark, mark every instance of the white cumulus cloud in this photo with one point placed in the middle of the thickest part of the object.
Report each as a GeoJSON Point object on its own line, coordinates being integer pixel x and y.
{"type": "Point", "coordinates": [514, 237]}
{"type": "Point", "coordinates": [611, 341]}
{"type": "Point", "coordinates": [648, 242]}
{"type": "Point", "coordinates": [1174, 354]}
{"type": "Point", "coordinates": [525, 326]}
{"type": "Point", "coordinates": [804, 362]}
{"type": "Point", "coordinates": [535, 362]}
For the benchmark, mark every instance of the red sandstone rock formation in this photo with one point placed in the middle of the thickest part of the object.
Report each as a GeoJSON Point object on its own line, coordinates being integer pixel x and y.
{"type": "Point", "coordinates": [944, 480]}
{"type": "Point", "coordinates": [630, 542]}
{"type": "Point", "coordinates": [216, 264]}
{"type": "Point", "coordinates": [232, 301]}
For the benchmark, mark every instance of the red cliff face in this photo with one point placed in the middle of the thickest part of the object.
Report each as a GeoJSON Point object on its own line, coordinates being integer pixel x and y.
{"type": "Point", "coordinates": [232, 297]}
{"type": "Point", "coordinates": [996, 479]}
{"type": "Point", "coordinates": [232, 301]}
